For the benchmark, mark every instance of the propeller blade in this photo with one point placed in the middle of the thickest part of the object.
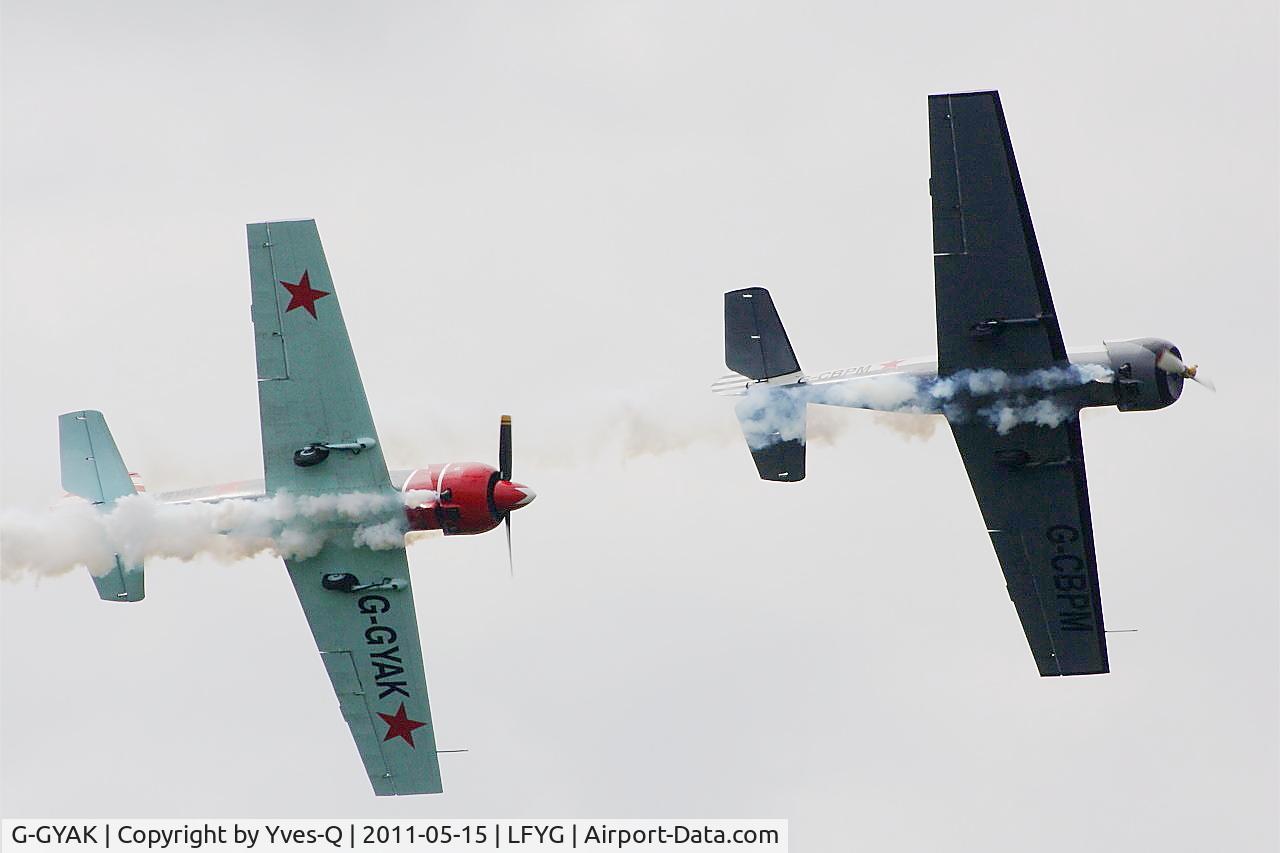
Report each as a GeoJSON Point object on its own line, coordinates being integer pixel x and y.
{"type": "Point", "coordinates": [504, 447]}
{"type": "Point", "coordinates": [1170, 363]}
{"type": "Point", "coordinates": [511, 563]}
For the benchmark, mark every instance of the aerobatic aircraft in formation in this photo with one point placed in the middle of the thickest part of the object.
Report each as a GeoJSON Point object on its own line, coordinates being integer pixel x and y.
{"type": "Point", "coordinates": [1009, 388]}
{"type": "Point", "coordinates": [318, 439]}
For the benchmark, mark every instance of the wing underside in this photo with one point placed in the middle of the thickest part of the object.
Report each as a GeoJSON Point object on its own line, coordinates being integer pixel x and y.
{"type": "Point", "coordinates": [359, 604]}
{"type": "Point", "coordinates": [994, 310]}
{"type": "Point", "coordinates": [1030, 485]}
{"type": "Point", "coordinates": [358, 601]}
{"type": "Point", "coordinates": [993, 303]}
{"type": "Point", "coordinates": [309, 388]}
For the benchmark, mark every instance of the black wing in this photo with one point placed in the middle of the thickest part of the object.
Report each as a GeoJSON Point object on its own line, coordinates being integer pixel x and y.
{"type": "Point", "coordinates": [993, 302]}
{"type": "Point", "coordinates": [995, 311]}
{"type": "Point", "coordinates": [1031, 488]}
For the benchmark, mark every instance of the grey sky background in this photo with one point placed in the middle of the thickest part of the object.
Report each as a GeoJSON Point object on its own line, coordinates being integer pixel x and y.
{"type": "Point", "coordinates": [535, 209]}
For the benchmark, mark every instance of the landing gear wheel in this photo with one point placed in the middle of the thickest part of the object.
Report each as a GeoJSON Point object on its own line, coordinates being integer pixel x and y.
{"type": "Point", "coordinates": [1013, 458]}
{"type": "Point", "coordinates": [340, 582]}
{"type": "Point", "coordinates": [312, 454]}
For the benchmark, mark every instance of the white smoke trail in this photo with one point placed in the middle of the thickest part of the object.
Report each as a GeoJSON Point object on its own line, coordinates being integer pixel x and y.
{"type": "Point", "coordinates": [771, 414]}
{"type": "Point", "coordinates": [892, 393]}
{"type": "Point", "coordinates": [381, 537]}
{"type": "Point", "coordinates": [1006, 416]}
{"type": "Point", "coordinates": [140, 527]}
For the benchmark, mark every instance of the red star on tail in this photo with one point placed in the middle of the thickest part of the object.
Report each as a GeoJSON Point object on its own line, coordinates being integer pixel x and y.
{"type": "Point", "coordinates": [301, 295]}
{"type": "Point", "coordinates": [399, 725]}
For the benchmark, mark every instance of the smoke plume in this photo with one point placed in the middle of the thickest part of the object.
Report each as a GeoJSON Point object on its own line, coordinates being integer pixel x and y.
{"type": "Point", "coordinates": [771, 414]}
{"type": "Point", "coordinates": [139, 527]}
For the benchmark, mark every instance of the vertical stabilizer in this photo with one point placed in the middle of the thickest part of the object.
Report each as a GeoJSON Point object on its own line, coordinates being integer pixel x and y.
{"type": "Point", "coordinates": [92, 469]}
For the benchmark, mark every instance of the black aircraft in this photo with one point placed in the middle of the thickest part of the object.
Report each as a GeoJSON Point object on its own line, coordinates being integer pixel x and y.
{"type": "Point", "coordinates": [1009, 388]}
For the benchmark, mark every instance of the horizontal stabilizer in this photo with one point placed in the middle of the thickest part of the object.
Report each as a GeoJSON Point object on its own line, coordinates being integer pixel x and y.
{"type": "Point", "coordinates": [122, 583]}
{"type": "Point", "coordinates": [783, 462]}
{"type": "Point", "coordinates": [773, 424]}
{"type": "Point", "coordinates": [91, 464]}
{"type": "Point", "coordinates": [93, 469]}
{"type": "Point", "coordinates": [755, 344]}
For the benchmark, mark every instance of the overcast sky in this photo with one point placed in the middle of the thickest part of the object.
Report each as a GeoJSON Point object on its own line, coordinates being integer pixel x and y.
{"type": "Point", "coordinates": [534, 208]}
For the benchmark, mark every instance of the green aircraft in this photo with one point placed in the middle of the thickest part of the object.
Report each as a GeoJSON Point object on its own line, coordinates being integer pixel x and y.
{"type": "Point", "coordinates": [318, 439]}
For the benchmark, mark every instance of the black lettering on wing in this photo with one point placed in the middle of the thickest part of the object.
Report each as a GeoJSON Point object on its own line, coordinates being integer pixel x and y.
{"type": "Point", "coordinates": [1075, 621]}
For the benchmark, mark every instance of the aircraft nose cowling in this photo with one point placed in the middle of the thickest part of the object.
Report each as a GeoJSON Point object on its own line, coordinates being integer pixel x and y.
{"type": "Point", "coordinates": [508, 495]}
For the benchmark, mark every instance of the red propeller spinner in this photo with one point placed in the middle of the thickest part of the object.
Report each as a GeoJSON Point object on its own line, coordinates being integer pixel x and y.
{"type": "Point", "coordinates": [508, 495]}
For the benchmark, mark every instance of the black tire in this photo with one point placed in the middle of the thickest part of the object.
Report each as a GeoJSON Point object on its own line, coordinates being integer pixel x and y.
{"type": "Point", "coordinates": [312, 454]}
{"type": "Point", "coordinates": [1013, 458]}
{"type": "Point", "coordinates": [340, 581]}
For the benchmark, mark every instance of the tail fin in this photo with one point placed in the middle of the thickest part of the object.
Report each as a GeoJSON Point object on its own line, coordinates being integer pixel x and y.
{"type": "Point", "coordinates": [92, 469]}
{"type": "Point", "coordinates": [772, 417]}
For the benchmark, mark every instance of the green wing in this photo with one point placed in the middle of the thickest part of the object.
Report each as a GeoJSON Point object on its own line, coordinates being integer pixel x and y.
{"type": "Point", "coordinates": [309, 388]}
{"type": "Point", "coordinates": [359, 604]}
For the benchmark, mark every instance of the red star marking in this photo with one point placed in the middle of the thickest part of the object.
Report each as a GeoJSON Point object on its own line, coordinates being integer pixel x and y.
{"type": "Point", "coordinates": [301, 295]}
{"type": "Point", "coordinates": [399, 725]}
{"type": "Point", "coordinates": [890, 365]}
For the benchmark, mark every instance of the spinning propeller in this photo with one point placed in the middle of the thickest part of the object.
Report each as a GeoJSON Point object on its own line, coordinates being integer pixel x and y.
{"type": "Point", "coordinates": [504, 475]}
{"type": "Point", "coordinates": [506, 494]}
{"type": "Point", "coordinates": [1170, 363]}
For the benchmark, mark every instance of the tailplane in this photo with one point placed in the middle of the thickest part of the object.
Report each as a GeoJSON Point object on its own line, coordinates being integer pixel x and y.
{"type": "Point", "coordinates": [92, 469]}
{"type": "Point", "coordinates": [772, 416]}
{"type": "Point", "coordinates": [755, 344]}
